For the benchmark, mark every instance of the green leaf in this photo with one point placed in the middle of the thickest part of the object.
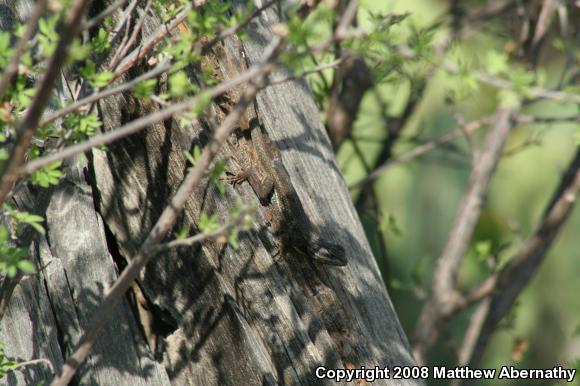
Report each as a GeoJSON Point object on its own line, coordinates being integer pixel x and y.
{"type": "Point", "coordinates": [497, 62]}
{"type": "Point", "coordinates": [483, 249]}
{"type": "Point", "coordinates": [208, 224]}
{"type": "Point", "coordinates": [78, 51]}
{"type": "Point", "coordinates": [183, 232]}
{"type": "Point", "coordinates": [100, 43]}
{"type": "Point", "coordinates": [193, 157]}
{"type": "Point", "coordinates": [216, 173]}
{"type": "Point", "coordinates": [26, 266]}
{"type": "Point", "coordinates": [233, 240]}
{"type": "Point", "coordinates": [509, 98]}
{"type": "Point", "coordinates": [145, 88]}
{"type": "Point", "coordinates": [82, 126]}
{"type": "Point", "coordinates": [49, 175]}
{"type": "Point", "coordinates": [5, 50]}
{"type": "Point", "coordinates": [47, 36]}
{"type": "Point", "coordinates": [521, 78]}
{"type": "Point", "coordinates": [101, 79]}
{"type": "Point", "coordinates": [203, 102]}
{"type": "Point", "coordinates": [179, 84]}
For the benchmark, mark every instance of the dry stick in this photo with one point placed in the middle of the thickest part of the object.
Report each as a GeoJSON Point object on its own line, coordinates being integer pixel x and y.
{"type": "Point", "coordinates": [97, 19]}
{"type": "Point", "coordinates": [232, 30]}
{"type": "Point", "coordinates": [141, 51]}
{"type": "Point", "coordinates": [141, 123]}
{"type": "Point", "coordinates": [422, 149]}
{"type": "Point", "coordinates": [158, 70]}
{"type": "Point", "coordinates": [470, 337]}
{"type": "Point", "coordinates": [162, 227]}
{"type": "Point", "coordinates": [310, 71]}
{"type": "Point", "coordinates": [29, 124]}
{"type": "Point", "coordinates": [469, 128]}
{"type": "Point", "coordinates": [32, 362]}
{"type": "Point", "coordinates": [515, 276]}
{"type": "Point", "coordinates": [126, 44]}
{"type": "Point", "coordinates": [12, 66]}
{"type": "Point", "coordinates": [437, 307]}
{"type": "Point", "coordinates": [494, 81]}
{"type": "Point", "coordinates": [198, 238]}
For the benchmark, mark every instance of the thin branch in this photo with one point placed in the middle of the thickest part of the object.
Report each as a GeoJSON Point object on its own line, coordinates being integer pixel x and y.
{"type": "Point", "coordinates": [492, 80]}
{"type": "Point", "coordinates": [469, 128]}
{"type": "Point", "coordinates": [124, 47]}
{"type": "Point", "coordinates": [310, 71]}
{"type": "Point", "coordinates": [33, 362]}
{"type": "Point", "coordinates": [29, 124]}
{"type": "Point", "coordinates": [129, 86]}
{"type": "Point", "coordinates": [151, 41]}
{"type": "Point", "coordinates": [164, 224]}
{"type": "Point", "coordinates": [438, 306]}
{"type": "Point", "coordinates": [221, 231]}
{"type": "Point", "coordinates": [12, 67]}
{"type": "Point", "coordinates": [519, 270]}
{"type": "Point", "coordinates": [421, 150]}
{"type": "Point", "coordinates": [97, 19]}
{"type": "Point", "coordinates": [470, 337]}
{"type": "Point", "coordinates": [233, 30]}
{"type": "Point", "coordinates": [141, 123]}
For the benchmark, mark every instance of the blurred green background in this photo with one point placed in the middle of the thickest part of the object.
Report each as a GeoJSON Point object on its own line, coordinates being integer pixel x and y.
{"type": "Point", "coordinates": [418, 200]}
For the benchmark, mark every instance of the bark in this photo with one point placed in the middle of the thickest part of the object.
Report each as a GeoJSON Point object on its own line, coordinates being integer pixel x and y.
{"type": "Point", "coordinates": [210, 314]}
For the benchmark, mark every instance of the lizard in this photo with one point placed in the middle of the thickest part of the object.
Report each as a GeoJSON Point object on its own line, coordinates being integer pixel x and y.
{"type": "Point", "coordinates": [269, 178]}
{"type": "Point", "coordinates": [271, 183]}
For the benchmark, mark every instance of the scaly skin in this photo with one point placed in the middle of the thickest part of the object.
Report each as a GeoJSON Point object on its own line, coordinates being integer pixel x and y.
{"type": "Point", "coordinates": [288, 219]}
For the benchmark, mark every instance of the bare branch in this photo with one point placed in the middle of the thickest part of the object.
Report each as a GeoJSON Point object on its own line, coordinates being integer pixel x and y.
{"type": "Point", "coordinates": [440, 303]}
{"type": "Point", "coordinates": [310, 71]}
{"type": "Point", "coordinates": [125, 45]}
{"type": "Point", "coordinates": [149, 43]}
{"type": "Point", "coordinates": [422, 149]}
{"type": "Point", "coordinates": [129, 86]}
{"type": "Point", "coordinates": [97, 19]}
{"type": "Point", "coordinates": [141, 123]}
{"type": "Point", "coordinates": [517, 273]}
{"type": "Point", "coordinates": [164, 224]}
{"type": "Point", "coordinates": [223, 230]}
{"type": "Point", "coordinates": [29, 124]}
{"type": "Point", "coordinates": [12, 67]}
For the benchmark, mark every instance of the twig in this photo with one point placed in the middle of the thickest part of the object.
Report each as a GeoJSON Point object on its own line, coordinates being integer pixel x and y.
{"type": "Point", "coordinates": [124, 47]}
{"type": "Point", "coordinates": [158, 70]}
{"type": "Point", "coordinates": [519, 270]}
{"type": "Point", "coordinates": [29, 124]}
{"type": "Point", "coordinates": [97, 19]}
{"type": "Point", "coordinates": [143, 49]}
{"type": "Point", "coordinates": [221, 231]}
{"type": "Point", "coordinates": [12, 67]}
{"type": "Point", "coordinates": [468, 128]}
{"type": "Point", "coordinates": [233, 30]}
{"type": "Point", "coordinates": [143, 122]}
{"type": "Point", "coordinates": [470, 337]}
{"type": "Point", "coordinates": [310, 71]}
{"type": "Point", "coordinates": [492, 80]}
{"type": "Point", "coordinates": [421, 150]}
{"type": "Point", "coordinates": [439, 305]}
{"type": "Point", "coordinates": [33, 362]}
{"type": "Point", "coordinates": [164, 224]}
